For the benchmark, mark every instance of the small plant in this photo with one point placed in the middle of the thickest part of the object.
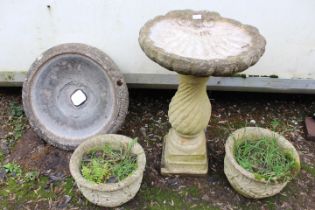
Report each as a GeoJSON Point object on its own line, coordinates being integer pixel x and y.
{"type": "Point", "coordinates": [275, 124]}
{"type": "Point", "coordinates": [13, 168]}
{"type": "Point", "coordinates": [17, 123]}
{"type": "Point", "coordinates": [109, 165]}
{"type": "Point", "coordinates": [31, 176]}
{"type": "Point", "coordinates": [280, 126]}
{"type": "Point", "coordinates": [1, 156]}
{"type": "Point", "coordinates": [97, 170]}
{"type": "Point", "coordinates": [265, 159]}
{"type": "Point", "coordinates": [16, 110]}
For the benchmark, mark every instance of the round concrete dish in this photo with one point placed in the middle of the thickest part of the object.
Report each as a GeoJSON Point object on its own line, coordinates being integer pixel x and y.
{"type": "Point", "coordinates": [201, 43]}
{"type": "Point", "coordinates": [73, 92]}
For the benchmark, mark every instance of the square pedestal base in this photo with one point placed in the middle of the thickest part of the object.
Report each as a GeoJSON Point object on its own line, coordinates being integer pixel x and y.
{"type": "Point", "coordinates": [184, 159]}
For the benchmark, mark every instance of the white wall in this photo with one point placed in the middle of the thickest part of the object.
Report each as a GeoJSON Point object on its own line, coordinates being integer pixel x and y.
{"type": "Point", "coordinates": [29, 27]}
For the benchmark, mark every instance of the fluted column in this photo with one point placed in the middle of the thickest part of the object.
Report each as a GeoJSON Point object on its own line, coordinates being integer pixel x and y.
{"type": "Point", "coordinates": [184, 149]}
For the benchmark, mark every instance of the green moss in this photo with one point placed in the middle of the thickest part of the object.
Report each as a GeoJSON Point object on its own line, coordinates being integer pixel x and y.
{"type": "Point", "coordinates": [31, 186]}
{"type": "Point", "coordinates": [9, 76]}
{"type": "Point", "coordinates": [239, 75]}
{"type": "Point", "coordinates": [23, 191]}
{"type": "Point", "coordinates": [155, 198]}
{"type": "Point", "coordinates": [192, 191]}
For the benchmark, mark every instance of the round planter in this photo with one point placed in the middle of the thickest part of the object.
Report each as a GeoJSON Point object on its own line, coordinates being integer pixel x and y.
{"type": "Point", "coordinates": [112, 194]}
{"type": "Point", "coordinates": [242, 180]}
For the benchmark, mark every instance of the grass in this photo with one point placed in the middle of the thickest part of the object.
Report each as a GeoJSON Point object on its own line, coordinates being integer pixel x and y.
{"type": "Point", "coordinates": [109, 165]}
{"type": "Point", "coordinates": [275, 123]}
{"type": "Point", "coordinates": [266, 159]}
{"type": "Point", "coordinates": [192, 191]}
{"type": "Point", "coordinates": [309, 169]}
{"type": "Point", "coordinates": [2, 156]}
{"type": "Point", "coordinates": [279, 126]}
{"type": "Point", "coordinates": [17, 122]}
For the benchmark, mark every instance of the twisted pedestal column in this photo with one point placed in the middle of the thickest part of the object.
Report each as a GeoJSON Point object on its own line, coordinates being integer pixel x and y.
{"type": "Point", "coordinates": [184, 149]}
{"type": "Point", "coordinates": [203, 44]}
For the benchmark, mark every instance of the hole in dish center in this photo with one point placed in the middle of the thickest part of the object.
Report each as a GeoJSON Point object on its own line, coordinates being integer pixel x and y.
{"type": "Point", "coordinates": [78, 97]}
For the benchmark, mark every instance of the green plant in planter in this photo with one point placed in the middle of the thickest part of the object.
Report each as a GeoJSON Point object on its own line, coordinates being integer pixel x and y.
{"type": "Point", "coordinates": [266, 159]}
{"type": "Point", "coordinates": [108, 164]}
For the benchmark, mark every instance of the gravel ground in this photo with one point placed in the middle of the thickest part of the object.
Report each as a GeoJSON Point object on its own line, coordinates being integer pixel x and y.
{"type": "Point", "coordinates": [53, 188]}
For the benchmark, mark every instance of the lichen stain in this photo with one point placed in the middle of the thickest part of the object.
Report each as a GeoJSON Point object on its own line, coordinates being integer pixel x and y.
{"type": "Point", "coordinates": [9, 76]}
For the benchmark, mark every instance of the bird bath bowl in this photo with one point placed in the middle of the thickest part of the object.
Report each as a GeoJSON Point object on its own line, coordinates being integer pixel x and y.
{"type": "Point", "coordinates": [196, 45]}
{"type": "Point", "coordinates": [73, 92]}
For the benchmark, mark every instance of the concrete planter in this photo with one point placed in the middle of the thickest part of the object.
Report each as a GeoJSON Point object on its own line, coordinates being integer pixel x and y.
{"type": "Point", "coordinates": [245, 182]}
{"type": "Point", "coordinates": [112, 194]}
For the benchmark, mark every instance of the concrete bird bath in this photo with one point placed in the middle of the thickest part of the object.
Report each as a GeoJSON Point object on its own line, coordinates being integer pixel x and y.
{"type": "Point", "coordinates": [73, 92]}
{"type": "Point", "coordinates": [196, 45]}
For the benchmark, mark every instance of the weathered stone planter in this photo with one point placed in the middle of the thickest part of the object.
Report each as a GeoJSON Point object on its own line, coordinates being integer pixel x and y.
{"type": "Point", "coordinates": [245, 182]}
{"type": "Point", "coordinates": [112, 194]}
{"type": "Point", "coordinates": [196, 45]}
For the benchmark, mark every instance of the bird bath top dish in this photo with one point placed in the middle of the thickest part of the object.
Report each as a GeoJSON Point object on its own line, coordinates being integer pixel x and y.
{"type": "Point", "coordinates": [201, 43]}
{"type": "Point", "coordinates": [73, 92]}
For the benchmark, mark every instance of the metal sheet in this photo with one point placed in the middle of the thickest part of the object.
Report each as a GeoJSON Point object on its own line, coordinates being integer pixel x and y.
{"type": "Point", "coordinates": [28, 28]}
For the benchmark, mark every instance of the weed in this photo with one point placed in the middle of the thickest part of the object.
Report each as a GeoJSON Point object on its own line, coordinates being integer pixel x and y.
{"type": "Point", "coordinates": [97, 171]}
{"type": "Point", "coordinates": [275, 124]}
{"type": "Point", "coordinates": [31, 176]}
{"type": "Point", "coordinates": [16, 110]}
{"type": "Point", "coordinates": [280, 127]}
{"type": "Point", "coordinates": [2, 156]}
{"type": "Point", "coordinates": [266, 159]}
{"type": "Point", "coordinates": [13, 168]}
{"type": "Point", "coordinates": [101, 165]}
{"type": "Point", "coordinates": [17, 123]}
{"type": "Point", "coordinates": [309, 169]}
{"type": "Point", "coordinates": [123, 168]}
